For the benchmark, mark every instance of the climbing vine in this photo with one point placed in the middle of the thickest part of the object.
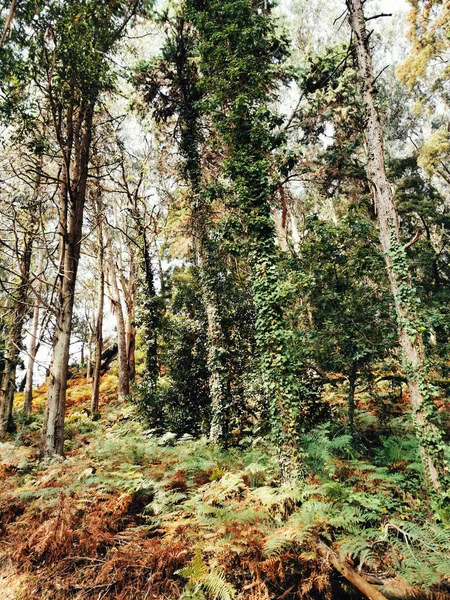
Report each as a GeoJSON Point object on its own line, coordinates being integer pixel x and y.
{"type": "Point", "coordinates": [412, 326]}
{"type": "Point", "coordinates": [241, 58]}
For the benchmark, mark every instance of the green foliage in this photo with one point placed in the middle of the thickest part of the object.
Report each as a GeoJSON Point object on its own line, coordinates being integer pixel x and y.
{"type": "Point", "coordinates": [200, 577]}
{"type": "Point", "coordinates": [181, 401]}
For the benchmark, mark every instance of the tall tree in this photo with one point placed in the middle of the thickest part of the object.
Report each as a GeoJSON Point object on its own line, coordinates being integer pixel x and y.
{"type": "Point", "coordinates": [434, 452]}
{"type": "Point", "coordinates": [241, 55]}
{"type": "Point", "coordinates": [178, 73]}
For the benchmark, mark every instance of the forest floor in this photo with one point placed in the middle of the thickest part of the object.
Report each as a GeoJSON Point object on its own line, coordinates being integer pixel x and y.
{"type": "Point", "coordinates": [131, 514]}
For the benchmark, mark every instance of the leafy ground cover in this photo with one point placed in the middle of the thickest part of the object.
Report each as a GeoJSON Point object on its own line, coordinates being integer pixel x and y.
{"type": "Point", "coordinates": [130, 513]}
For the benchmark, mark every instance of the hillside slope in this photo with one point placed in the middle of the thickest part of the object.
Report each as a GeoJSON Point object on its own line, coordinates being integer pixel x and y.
{"type": "Point", "coordinates": [129, 514]}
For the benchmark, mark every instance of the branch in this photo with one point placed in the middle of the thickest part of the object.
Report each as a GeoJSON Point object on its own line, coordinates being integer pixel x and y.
{"type": "Point", "coordinates": [350, 574]}
{"type": "Point", "coordinates": [9, 21]}
{"type": "Point", "coordinates": [413, 240]}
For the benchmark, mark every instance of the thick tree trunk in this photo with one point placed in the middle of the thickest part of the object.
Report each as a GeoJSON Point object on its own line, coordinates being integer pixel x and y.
{"type": "Point", "coordinates": [124, 376]}
{"type": "Point", "coordinates": [219, 377]}
{"type": "Point", "coordinates": [410, 326]}
{"type": "Point", "coordinates": [8, 385]}
{"type": "Point", "coordinates": [72, 201]}
{"type": "Point", "coordinates": [98, 334]}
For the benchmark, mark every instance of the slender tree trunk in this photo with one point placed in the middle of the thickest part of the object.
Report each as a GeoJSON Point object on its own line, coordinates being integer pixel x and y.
{"type": "Point", "coordinates": [72, 201]}
{"type": "Point", "coordinates": [131, 349]}
{"type": "Point", "coordinates": [98, 335]}
{"type": "Point", "coordinates": [89, 357]}
{"type": "Point", "coordinates": [410, 324]}
{"type": "Point", "coordinates": [14, 339]}
{"type": "Point", "coordinates": [124, 379]}
{"type": "Point", "coordinates": [32, 351]}
{"type": "Point", "coordinates": [130, 301]}
{"type": "Point", "coordinates": [9, 22]}
{"type": "Point", "coordinates": [150, 311]}
{"type": "Point", "coordinates": [351, 400]}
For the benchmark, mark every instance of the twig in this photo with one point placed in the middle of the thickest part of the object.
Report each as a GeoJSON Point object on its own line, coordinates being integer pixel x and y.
{"type": "Point", "coordinates": [378, 16]}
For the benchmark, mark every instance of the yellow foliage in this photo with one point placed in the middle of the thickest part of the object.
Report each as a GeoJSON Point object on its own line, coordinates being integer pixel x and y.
{"type": "Point", "coordinates": [435, 149]}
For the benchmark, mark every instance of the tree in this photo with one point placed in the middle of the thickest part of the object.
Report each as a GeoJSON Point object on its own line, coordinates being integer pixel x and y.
{"type": "Point", "coordinates": [433, 449]}
{"type": "Point", "coordinates": [171, 86]}
{"type": "Point", "coordinates": [67, 47]}
{"type": "Point", "coordinates": [241, 60]}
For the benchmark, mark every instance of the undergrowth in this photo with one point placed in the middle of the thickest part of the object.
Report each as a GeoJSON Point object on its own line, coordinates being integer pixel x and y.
{"type": "Point", "coordinates": [130, 514]}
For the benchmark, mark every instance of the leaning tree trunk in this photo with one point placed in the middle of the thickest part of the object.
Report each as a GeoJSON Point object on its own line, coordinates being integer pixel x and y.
{"type": "Point", "coordinates": [14, 338]}
{"type": "Point", "coordinates": [72, 201]}
{"type": "Point", "coordinates": [431, 443]}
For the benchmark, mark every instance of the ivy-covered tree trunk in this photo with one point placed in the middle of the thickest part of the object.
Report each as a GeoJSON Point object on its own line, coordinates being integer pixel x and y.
{"type": "Point", "coordinates": [203, 249]}
{"type": "Point", "coordinates": [149, 313]}
{"type": "Point", "coordinates": [240, 51]}
{"type": "Point", "coordinates": [218, 356]}
{"type": "Point", "coordinates": [432, 446]}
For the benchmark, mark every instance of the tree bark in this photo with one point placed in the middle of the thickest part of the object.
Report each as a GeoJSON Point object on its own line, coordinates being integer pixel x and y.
{"type": "Point", "coordinates": [33, 345]}
{"type": "Point", "coordinates": [350, 574]}
{"type": "Point", "coordinates": [14, 339]}
{"type": "Point", "coordinates": [124, 378]}
{"type": "Point", "coordinates": [218, 360]}
{"type": "Point", "coordinates": [410, 325]}
{"type": "Point", "coordinates": [72, 200]}
{"type": "Point", "coordinates": [98, 334]}
{"type": "Point", "coordinates": [9, 22]}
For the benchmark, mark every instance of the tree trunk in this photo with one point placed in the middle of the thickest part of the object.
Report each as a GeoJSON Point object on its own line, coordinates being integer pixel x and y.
{"type": "Point", "coordinates": [72, 201]}
{"type": "Point", "coordinates": [350, 574]}
{"type": "Point", "coordinates": [33, 346]}
{"type": "Point", "coordinates": [351, 400]}
{"type": "Point", "coordinates": [218, 360]}
{"type": "Point", "coordinates": [14, 339]}
{"type": "Point", "coordinates": [124, 379]}
{"type": "Point", "coordinates": [98, 334]}
{"type": "Point", "coordinates": [130, 290]}
{"type": "Point", "coordinates": [149, 309]}
{"type": "Point", "coordinates": [410, 324]}
{"type": "Point", "coordinates": [89, 357]}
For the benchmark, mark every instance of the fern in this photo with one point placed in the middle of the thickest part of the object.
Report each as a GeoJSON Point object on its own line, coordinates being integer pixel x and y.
{"type": "Point", "coordinates": [201, 578]}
